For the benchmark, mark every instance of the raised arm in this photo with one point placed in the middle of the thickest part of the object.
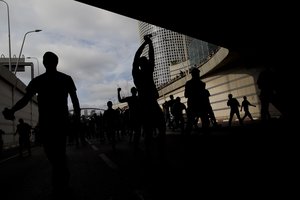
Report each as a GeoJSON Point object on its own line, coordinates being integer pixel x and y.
{"type": "Point", "coordinates": [141, 49]}
{"type": "Point", "coordinates": [150, 52]}
{"type": "Point", "coordinates": [119, 96]}
{"type": "Point", "coordinates": [138, 54]}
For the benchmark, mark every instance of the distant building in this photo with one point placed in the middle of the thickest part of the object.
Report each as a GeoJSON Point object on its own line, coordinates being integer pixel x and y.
{"type": "Point", "coordinates": [175, 53]}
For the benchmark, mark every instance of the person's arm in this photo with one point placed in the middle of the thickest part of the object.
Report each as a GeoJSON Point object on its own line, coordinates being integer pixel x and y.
{"type": "Point", "coordinates": [9, 114]}
{"type": "Point", "coordinates": [252, 105]}
{"type": "Point", "coordinates": [22, 102]}
{"type": "Point", "coordinates": [138, 55]}
{"type": "Point", "coordinates": [184, 108]}
{"type": "Point", "coordinates": [74, 98]}
{"type": "Point", "coordinates": [140, 51]}
{"type": "Point", "coordinates": [119, 96]}
{"type": "Point", "coordinates": [17, 131]}
{"type": "Point", "coordinates": [75, 103]}
{"type": "Point", "coordinates": [135, 65]}
{"type": "Point", "coordinates": [150, 52]}
{"type": "Point", "coordinates": [187, 90]}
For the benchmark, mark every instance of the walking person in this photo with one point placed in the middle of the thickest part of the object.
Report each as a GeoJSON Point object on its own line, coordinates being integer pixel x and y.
{"type": "Point", "coordinates": [196, 102]}
{"type": "Point", "coordinates": [210, 111]}
{"type": "Point", "coordinates": [24, 131]}
{"type": "Point", "coordinates": [265, 83]}
{"type": "Point", "coordinates": [234, 109]}
{"type": "Point", "coordinates": [53, 89]}
{"type": "Point", "coordinates": [245, 105]}
{"type": "Point", "coordinates": [169, 117]}
{"type": "Point", "coordinates": [177, 111]}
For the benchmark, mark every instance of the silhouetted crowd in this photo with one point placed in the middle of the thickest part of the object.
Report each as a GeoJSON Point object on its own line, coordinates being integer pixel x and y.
{"type": "Point", "coordinates": [142, 118]}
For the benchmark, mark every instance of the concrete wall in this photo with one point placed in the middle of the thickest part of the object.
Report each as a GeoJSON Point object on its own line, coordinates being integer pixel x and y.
{"type": "Point", "coordinates": [30, 113]}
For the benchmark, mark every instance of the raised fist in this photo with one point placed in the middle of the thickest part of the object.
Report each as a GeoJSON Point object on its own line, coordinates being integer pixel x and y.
{"type": "Point", "coordinates": [8, 114]}
{"type": "Point", "coordinates": [147, 37]}
{"type": "Point", "coordinates": [119, 89]}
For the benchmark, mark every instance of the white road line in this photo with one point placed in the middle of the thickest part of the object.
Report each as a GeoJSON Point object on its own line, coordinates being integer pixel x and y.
{"type": "Point", "coordinates": [88, 141]}
{"type": "Point", "coordinates": [4, 160]}
{"type": "Point", "coordinates": [108, 161]}
{"type": "Point", "coordinates": [94, 147]}
{"type": "Point", "coordinates": [139, 194]}
{"type": "Point", "coordinates": [17, 155]}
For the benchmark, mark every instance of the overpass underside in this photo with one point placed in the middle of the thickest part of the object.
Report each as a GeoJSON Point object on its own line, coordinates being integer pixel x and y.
{"type": "Point", "coordinates": [224, 73]}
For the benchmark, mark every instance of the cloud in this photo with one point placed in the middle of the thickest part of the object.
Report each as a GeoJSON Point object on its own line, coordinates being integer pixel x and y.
{"type": "Point", "coordinates": [95, 47]}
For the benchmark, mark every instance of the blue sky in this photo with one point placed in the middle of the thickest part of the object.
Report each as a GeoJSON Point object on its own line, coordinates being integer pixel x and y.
{"type": "Point", "coordinates": [95, 47]}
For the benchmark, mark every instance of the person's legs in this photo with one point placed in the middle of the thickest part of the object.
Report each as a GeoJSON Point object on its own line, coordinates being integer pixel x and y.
{"type": "Point", "coordinates": [28, 146]}
{"type": "Point", "coordinates": [136, 137]}
{"type": "Point", "coordinates": [239, 117]}
{"type": "Point", "coordinates": [249, 115]}
{"type": "Point", "coordinates": [55, 150]}
{"type": "Point", "coordinates": [21, 146]}
{"type": "Point", "coordinates": [230, 118]}
{"type": "Point", "coordinates": [190, 121]}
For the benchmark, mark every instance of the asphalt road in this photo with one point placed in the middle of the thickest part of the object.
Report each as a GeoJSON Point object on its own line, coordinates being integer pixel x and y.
{"type": "Point", "coordinates": [253, 161]}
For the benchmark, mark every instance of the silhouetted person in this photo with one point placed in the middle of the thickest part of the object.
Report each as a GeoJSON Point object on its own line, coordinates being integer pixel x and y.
{"type": "Point", "coordinates": [177, 111]}
{"type": "Point", "coordinates": [234, 109]}
{"type": "Point", "coordinates": [110, 120]}
{"type": "Point", "coordinates": [168, 107]}
{"type": "Point", "coordinates": [52, 89]}
{"type": "Point", "coordinates": [265, 83]}
{"type": "Point", "coordinates": [37, 135]}
{"type": "Point", "coordinates": [196, 101]}
{"type": "Point", "coordinates": [1, 141]}
{"type": "Point", "coordinates": [134, 114]}
{"type": "Point", "coordinates": [210, 111]}
{"type": "Point", "coordinates": [24, 131]}
{"type": "Point", "coordinates": [153, 117]}
{"type": "Point", "coordinates": [272, 91]}
{"type": "Point", "coordinates": [245, 105]}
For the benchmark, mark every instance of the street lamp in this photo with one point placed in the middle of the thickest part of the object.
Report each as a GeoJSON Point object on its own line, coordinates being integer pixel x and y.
{"type": "Point", "coordinates": [37, 61]}
{"type": "Point", "coordinates": [9, 44]}
{"type": "Point", "coordinates": [14, 88]}
{"type": "Point", "coordinates": [22, 48]}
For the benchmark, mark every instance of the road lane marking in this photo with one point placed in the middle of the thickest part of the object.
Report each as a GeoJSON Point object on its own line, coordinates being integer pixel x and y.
{"type": "Point", "coordinates": [94, 147]}
{"type": "Point", "coordinates": [4, 160]}
{"type": "Point", "coordinates": [108, 161]}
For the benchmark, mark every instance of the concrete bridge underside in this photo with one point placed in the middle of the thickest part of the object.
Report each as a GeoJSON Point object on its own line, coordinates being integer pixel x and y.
{"type": "Point", "coordinates": [224, 73]}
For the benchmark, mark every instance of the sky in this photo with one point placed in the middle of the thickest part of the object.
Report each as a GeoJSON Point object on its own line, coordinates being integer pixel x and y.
{"type": "Point", "coordinates": [96, 47]}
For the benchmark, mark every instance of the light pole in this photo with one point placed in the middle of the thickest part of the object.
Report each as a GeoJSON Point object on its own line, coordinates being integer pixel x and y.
{"type": "Point", "coordinates": [14, 88]}
{"type": "Point", "coordinates": [9, 43]}
{"type": "Point", "coordinates": [22, 48]}
{"type": "Point", "coordinates": [37, 61]}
